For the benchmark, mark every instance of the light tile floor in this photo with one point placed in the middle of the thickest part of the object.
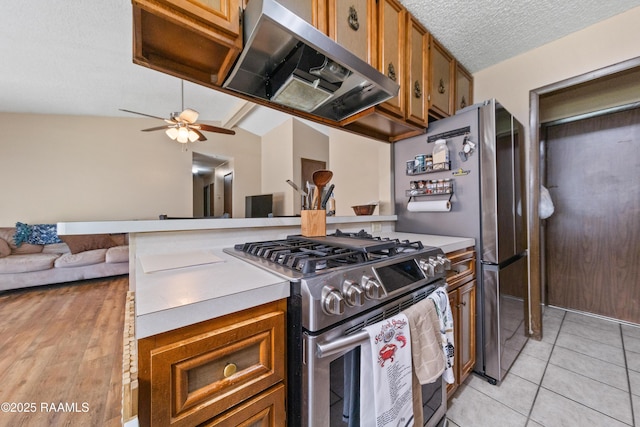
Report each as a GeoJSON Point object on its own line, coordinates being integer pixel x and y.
{"type": "Point", "coordinates": [584, 372]}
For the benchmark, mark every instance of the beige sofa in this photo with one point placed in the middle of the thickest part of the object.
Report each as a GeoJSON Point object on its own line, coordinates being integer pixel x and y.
{"type": "Point", "coordinates": [76, 258]}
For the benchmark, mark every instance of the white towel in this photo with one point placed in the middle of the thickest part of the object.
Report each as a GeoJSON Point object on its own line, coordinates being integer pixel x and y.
{"type": "Point", "coordinates": [441, 301]}
{"type": "Point", "coordinates": [386, 397]}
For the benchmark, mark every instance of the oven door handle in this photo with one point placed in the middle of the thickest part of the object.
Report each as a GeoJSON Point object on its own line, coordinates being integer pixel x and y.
{"type": "Point", "coordinates": [341, 344]}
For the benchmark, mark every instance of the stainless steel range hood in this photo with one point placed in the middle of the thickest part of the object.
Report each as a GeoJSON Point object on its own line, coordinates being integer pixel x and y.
{"type": "Point", "coordinates": [287, 61]}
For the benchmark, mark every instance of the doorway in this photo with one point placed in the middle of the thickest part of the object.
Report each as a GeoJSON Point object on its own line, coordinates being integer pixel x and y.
{"type": "Point", "coordinates": [536, 153]}
{"type": "Point", "coordinates": [592, 241]}
{"type": "Point", "coordinates": [308, 167]}
{"type": "Point", "coordinates": [228, 195]}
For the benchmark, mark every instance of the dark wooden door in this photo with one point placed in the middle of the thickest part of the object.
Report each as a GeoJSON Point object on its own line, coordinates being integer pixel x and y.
{"type": "Point", "coordinates": [307, 168]}
{"type": "Point", "coordinates": [228, 194]}
{"type": "Point", "coordinates": [593, 238]}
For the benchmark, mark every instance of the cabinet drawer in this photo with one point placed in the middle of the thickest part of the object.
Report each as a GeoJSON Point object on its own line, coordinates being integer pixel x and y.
{"type": "Point", "coordinates": [198, 372]}
{"type": "Point", "coordinates": [265, 410]}
{"type": "Point", "coordinates": [463, 267]}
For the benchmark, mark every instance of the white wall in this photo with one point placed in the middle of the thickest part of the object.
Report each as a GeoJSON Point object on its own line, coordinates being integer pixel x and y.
{"type": "Point", "coordinates": [611, 41]}
{"type": "Point", "coordinates": [243, 155]}
{"type": "Point", "coordinates": [82, 168]}
{"type": "Point", "coordinates": [73, 168]}
{"type": "Point", "coordinates": [277, 167]}
{"type": "Point", "coordinates": [361, 172]}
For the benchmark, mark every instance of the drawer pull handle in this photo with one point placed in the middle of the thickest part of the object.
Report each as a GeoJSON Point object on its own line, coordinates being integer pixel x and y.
{"type": "Point", "coordinates": [353, 18]}
{"type": "Point", "coordinates": [229, 369]}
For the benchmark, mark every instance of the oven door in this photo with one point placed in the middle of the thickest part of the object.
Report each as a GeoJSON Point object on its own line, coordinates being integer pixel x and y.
{"type": "Point", "coordinates": [331, 382]}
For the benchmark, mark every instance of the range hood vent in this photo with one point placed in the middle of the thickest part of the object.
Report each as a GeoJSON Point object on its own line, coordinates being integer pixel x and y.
{"type": "Point", "coordinates": [287, 61]}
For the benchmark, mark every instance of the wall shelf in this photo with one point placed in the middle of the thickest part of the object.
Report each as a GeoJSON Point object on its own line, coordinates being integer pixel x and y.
{"type": "Point", "coordinates": [437, 167]}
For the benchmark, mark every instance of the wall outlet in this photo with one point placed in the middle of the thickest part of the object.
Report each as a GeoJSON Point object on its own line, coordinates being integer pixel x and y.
{"type": "Point", "coordinates": [376, 227]}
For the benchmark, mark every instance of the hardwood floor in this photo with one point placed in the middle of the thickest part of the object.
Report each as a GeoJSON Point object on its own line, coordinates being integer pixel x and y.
{"type": "Point", "coordinates": [61, 354]}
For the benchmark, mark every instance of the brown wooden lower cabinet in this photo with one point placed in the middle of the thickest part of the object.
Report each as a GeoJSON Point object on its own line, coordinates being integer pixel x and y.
{"type": "Point", "coordinates": [225, 371]}
{"type": "Point", "coordinates": [462, 298]}
{"type": "Point", "coordinates": [265, 410]}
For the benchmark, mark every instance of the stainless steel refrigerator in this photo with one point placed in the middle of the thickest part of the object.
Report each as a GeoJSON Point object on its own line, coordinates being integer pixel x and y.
{"type": "Point", "coordinates": [487, 202]}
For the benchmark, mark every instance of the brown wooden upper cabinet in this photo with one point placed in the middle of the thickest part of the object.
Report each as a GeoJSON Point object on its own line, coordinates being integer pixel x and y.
{"type": "Point", "coordinates": [312, 11]}
{"type": "Point", "coordinates": [353, 25]}
{"type": "Point", "coordinates": [391, 49]}
{"type": "Point", "coordinates": [441, 77]}
{"type": "Point", "coordinates": [417, 81]}
{"type": "Point", "coordinates": [196, 40]}
{"type": "Point", "coordinates": [464, 88]}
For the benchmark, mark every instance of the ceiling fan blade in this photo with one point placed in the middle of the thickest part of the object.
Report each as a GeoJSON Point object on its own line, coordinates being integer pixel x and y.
{"type": "Point", "coordinates": [188, 115]}
{"type": "Point", "coordinates": [156, 128]}
{"type": "Point", "coordinates": [201, 137]}
{"type": "Point", "coordinates": [143, 114]}
{"type": "Point", "coordinates": [209, 128]}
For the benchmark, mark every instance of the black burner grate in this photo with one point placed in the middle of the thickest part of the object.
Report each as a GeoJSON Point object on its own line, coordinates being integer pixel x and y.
{"type": "Point", "coordinates": [314, 255]}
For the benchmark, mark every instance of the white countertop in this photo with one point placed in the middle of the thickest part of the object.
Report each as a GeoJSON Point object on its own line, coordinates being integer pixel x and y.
{"type": "Point", "coordinates": [446, 243]}
{"type": "Point", "coordinates": [145, 226]}
{"type": "Point", "coordinates": [171, 299]}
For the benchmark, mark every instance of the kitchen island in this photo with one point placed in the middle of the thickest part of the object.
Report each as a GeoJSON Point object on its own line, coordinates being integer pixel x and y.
{"type": "Point", "coordinates": [181, 277]}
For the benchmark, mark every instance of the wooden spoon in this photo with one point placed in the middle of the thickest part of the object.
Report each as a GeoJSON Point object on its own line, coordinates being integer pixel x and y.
{"type": "Point", "coordinates": [320, 179]}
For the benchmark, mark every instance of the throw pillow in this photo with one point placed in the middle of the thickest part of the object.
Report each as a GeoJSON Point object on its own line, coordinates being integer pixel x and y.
{"type": "Point", "coordinates": [87, 242]}
{"type": "Point", "coordinates": [44, 234]}
{"type": "Point", "coordinates": [5, 249]}
{"type": "Point", "coordinates": [23, 231]}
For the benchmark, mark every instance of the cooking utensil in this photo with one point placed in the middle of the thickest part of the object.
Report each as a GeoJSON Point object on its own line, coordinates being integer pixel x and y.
{"type": "Point", "coordinates": [325, 199]}
{"type": "Point", "coordinates": [295, 187]}
{"type": "Point", "coordinates": [320, 179]}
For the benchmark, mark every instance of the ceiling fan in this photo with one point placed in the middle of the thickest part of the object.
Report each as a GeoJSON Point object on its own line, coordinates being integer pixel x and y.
{"type": "Point", "coordinates": [182, 126]}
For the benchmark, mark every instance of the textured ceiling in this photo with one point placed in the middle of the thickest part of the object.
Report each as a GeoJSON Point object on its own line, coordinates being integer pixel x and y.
{"type": "Point", "coordinates": [74, 56]}
{"type": "Point", "coordinates": [481, 33]}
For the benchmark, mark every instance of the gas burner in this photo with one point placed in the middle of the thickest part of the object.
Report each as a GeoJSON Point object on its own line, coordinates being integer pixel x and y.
{"type": "Point", "coordinates": [360, 234]}
{"type": "Point", "coordinates": [316, 255]}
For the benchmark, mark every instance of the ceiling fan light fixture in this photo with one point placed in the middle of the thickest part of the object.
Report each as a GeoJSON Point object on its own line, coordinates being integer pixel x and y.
{"type": "Point", "coordinates": [172, 133]}
{"type": "Point", "coordinates": [183, 135]}
{"type": "Point", "coordinates": [193, 136]}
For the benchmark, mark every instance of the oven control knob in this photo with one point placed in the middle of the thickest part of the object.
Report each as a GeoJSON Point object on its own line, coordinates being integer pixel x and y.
{"type": "Point", "coordinates": [427, 267]}
{"type": "Point", "coordinates": [353, 293]}
{"type": "Point", "coordinates": [438, 266]}
{"type": "Point", "coordinates": [372, 288]}
{"type": "Point", "coordinates": [445, 261]}
{"type": "Point", "coordinates": [332, 301]}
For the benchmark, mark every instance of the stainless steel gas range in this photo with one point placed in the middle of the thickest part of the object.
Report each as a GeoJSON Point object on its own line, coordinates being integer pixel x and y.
{"type": "Point", "coordinates": [340, 284]}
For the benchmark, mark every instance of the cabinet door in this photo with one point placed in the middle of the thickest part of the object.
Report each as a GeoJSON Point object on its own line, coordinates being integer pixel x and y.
{"type": "Point", "coordinates": [222, 14]}
{"type": "Point", "coordinates": [466, 354]}
{"type": "Point", "coordinates": [417, 82]}
{"type": "Point", "coordinates": [464, 88]}
{"type": "Point", "coordinates": [441, 65]}
{"type": "Point", "coordinates": [353, 25]}
{"type": "Point", "coordinates": [312, 11]}
{"type": "Point", "coordinates": [391, 33]}
{"type": "Point", "coordinates": [194, 374]}
{"type": "Point", "coordinates": [175, 40]}
{"type": "Point", "coordinates": [265, 410]}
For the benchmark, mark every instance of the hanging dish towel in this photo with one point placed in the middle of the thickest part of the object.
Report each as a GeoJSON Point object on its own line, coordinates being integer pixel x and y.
{"type": "Point", "coordinates": [426, 349]}
{"type": "Point", "coordinates": [386, 397]}
{"type": "Point", "coordinates": [426, 342]}
{"type": "Point", "coordinates": [441, 302]}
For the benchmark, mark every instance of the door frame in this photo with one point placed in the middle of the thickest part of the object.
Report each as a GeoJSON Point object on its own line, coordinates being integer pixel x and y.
{"type": "Point", "coordinates": [535, 151]}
